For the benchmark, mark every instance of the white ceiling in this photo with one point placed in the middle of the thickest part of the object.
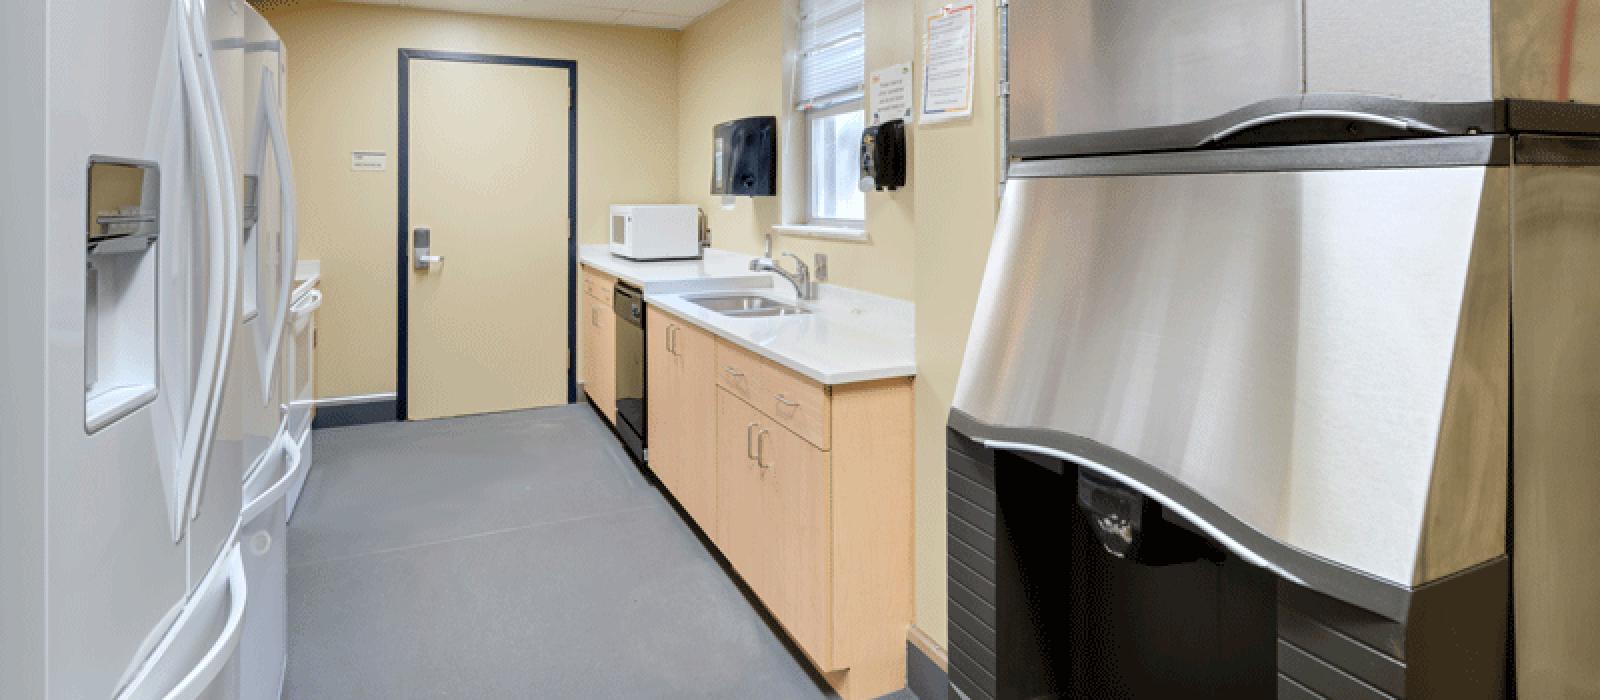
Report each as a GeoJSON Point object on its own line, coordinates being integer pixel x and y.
{"type": "Point", "coordinates": [665, 14]}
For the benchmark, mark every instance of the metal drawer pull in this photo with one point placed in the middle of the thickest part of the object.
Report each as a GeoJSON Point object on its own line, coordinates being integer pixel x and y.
{"type": "Point", "coordinates": [787, 402]}
{"type": "Point", "coordinates": [733, 372]}
{"type": "Point", "coordinates": [749, 449]}
{"type": "Point", "coordinates": [761, 449]}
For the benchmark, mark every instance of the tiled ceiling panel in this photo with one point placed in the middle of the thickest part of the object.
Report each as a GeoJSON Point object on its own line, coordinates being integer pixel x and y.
{"type": "Point", "coordinates": [665, 14]}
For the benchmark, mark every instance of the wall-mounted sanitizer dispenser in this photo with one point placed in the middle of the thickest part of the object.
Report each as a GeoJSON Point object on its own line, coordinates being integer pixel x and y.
{"type": "Point", "coordinates": [119, 319]}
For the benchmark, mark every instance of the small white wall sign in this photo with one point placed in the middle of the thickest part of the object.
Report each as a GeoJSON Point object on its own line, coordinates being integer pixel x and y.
{"type": "Point", "coordinates": [891, 93]}
{"type": "Point", "coordinates": [369, 161]}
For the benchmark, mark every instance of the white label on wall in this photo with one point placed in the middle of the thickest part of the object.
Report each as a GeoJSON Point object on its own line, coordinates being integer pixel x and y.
{"type": "Point", "coordinates": [369, 160]}
{"type": "Point", "coordinates": [891, 93]}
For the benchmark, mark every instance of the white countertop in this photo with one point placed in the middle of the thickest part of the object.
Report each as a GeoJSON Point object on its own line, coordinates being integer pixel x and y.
{"type": "Point", "coordinates": [718, 269]}
{"type": "Point", "coordinates": [849, 336]}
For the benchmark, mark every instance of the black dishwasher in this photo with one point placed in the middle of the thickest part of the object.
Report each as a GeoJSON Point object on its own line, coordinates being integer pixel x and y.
{"type": "Point", "coordinates": [628, 302]}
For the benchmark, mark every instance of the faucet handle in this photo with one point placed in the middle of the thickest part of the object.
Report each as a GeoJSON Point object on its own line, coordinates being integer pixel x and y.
{"type": "Point", "coordinates": [802, 268]}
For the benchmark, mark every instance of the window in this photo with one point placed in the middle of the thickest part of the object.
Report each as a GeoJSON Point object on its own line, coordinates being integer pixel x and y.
{"type": "Point", "coordinates": [828, 86]}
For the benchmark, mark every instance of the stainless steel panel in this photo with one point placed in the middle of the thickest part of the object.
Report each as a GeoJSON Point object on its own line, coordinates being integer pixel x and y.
{"type": "Point", "coordinates": [1418, 50]}
{"type": "Point", "coordinates": [1102, 76]}
{"type": "Point", "coordinates": [1557, 380]}
{"type": "Point", "coordinates": [1282, 343]}
{"type": "Point", "coordinates": [1086, 66]}
{"type": "Point", "coordinates": [1455, 50]}
{"type": "Point", "coordinates": [1547, 49]}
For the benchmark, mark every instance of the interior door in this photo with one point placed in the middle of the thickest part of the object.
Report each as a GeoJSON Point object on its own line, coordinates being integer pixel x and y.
{"type": "Point", "coordinates": [488, 176]}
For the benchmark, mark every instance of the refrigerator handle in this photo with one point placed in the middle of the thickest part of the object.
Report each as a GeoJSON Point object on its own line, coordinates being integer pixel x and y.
{"type": "Point", "coordinates": [222, 289]}
{"type": "Point", "coordinates": [226, 237]}
{"type": "Point", "coordinates": [291, 455]}
{"type": "Point", "coordinates": [194, 682]}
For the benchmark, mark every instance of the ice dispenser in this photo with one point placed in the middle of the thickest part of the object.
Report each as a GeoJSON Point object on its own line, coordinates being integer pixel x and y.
{"type": "Point", "coordinates": [120, 260]}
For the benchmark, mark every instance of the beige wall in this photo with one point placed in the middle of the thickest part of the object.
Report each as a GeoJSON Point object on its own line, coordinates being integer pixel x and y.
{"type": "Point", "coordinates": [732, 65]}
{"type": "Point", "coordinates": [343, 72]}
{"type": "Point", "coordinates": [956, 172]}
{"type": "Point", "coordinates": [929, 241]}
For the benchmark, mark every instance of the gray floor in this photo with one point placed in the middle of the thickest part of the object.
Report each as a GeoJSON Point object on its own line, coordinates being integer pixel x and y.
{"type": "Point", "coordinates": [513, 555]}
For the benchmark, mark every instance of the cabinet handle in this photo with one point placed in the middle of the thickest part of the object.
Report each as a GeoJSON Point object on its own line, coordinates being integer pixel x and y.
{"type": "Point", "coordinates": [787, 402]}
{"type": "Point", "coordinates": [749, 449]}
{"type": "Point", "coordinates": [761, 449]}
{"type": "Point", "coordinates": [672, 339]}
{"type": "Point", "coordinates": [594, 317]}
{"type": "Point", "coordinates": [733, 372]}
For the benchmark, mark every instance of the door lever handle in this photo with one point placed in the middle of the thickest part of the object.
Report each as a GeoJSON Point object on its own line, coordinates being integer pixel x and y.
{"type": "Point", "coordinates": [421, 239]}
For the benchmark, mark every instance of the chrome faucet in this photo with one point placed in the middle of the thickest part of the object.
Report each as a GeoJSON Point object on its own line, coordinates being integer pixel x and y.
{"type": "Point", "coordinates": [804, 287]}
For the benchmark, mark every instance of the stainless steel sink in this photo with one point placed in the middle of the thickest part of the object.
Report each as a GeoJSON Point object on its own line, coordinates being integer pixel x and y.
{"type": "Point", "coordinates": [746, 305]}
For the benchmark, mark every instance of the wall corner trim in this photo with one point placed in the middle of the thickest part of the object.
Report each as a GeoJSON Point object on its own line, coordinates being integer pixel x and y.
{"type": "Point", "coordinates": [927, 665]}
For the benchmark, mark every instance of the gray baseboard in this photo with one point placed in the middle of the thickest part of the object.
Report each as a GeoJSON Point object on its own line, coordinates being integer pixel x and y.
{"type": "Point", "coordinates": [923, 676]}
{"type": "Point", "coordinates": [341, 413]}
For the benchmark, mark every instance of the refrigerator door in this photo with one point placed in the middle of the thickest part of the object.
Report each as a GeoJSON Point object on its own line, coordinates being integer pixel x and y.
{"type": "Point", "coordinates": [1307, 355]}
{"type": "Point", "coordinates": [197, 659]}
{"type": "Point", "coordinates": [123, 83]}
{"type": "Point", "coordinates": [267, 238]}
{"type": "Point", "coordinates": [267, 271]}
{"type": "Point", "coordinates": [263, 648]}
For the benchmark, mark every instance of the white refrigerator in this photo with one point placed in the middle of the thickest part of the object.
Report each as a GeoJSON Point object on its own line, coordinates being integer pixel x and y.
{"type": "Point", "coordinates": [124, 415]}
{"type": "Point", "coordinates": [249, 60]}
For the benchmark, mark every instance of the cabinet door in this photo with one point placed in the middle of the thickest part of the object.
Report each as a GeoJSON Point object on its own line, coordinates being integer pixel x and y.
{"type": "Point", "coordinates": [664, 400]}
{"type": "Point", "coordinates": [589, 340]}
{"type": "Point", "coordinates": [696, 404]}
{"type": "Point", "coordinates": [742, 533]}
{"type": "Point", "coordinates": [600, 329]}
{"type": "Point", "coordinates": [605, 365]}
{"type": "Point", "coordinates": [796, 506]}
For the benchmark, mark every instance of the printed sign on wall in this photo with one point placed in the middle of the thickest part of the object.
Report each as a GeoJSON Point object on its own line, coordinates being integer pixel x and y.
{"type": "Point", "coordinates": [369, 161]}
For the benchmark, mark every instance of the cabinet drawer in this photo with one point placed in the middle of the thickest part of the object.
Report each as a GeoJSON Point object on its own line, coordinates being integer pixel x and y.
{"type": "Point", "coordinates": [597, 285]}
{"type": "Point", "coordinates": [791, 400]}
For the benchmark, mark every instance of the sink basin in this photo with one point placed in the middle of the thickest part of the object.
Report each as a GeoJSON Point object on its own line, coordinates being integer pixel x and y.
{"type": "Point", "coordinates": [746, 305]}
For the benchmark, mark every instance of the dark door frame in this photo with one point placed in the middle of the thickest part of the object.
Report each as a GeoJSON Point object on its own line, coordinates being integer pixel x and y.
{"type": "Point", "coordinates": [402, 361]}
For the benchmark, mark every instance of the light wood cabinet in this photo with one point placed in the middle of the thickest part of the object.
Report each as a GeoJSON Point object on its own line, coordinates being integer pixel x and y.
{"type": "Point", "coordinates": [741, 534]}
{"type": "Point", "coordinates": [814, 510]}
{"type": "Point", "coordinates": [680, 371]}
{"type": "Point", "coordinates": [797, 402]}
{"type": "Point", "coordinates": [775, 521]}
{"type": "Point", "coordinates": [597, 285]}
{"type": "Point", "coordinates": [806, 489]}
{"type": "Point", "coordinates": [775, 524]}
{"type": "Point", "coordinates": [797, 525]}
{"type": "Point", "coordinates": [597, 342]}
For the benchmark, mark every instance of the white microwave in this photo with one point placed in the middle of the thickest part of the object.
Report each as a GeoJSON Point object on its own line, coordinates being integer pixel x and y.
{"type": "Point", "coordinates": [656, 231]}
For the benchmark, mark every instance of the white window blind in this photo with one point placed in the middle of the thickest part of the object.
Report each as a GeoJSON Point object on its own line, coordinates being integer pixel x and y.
{"type": "Point", "coordinates": [831, 65]}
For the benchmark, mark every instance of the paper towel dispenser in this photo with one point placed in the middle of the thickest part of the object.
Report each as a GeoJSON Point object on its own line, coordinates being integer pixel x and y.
{"type": "Point", "coordinates": [744, 157]}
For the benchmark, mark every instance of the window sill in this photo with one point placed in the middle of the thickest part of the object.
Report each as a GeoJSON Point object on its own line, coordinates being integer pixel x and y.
{"type": "Point", "coordinates": [832, 233]}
